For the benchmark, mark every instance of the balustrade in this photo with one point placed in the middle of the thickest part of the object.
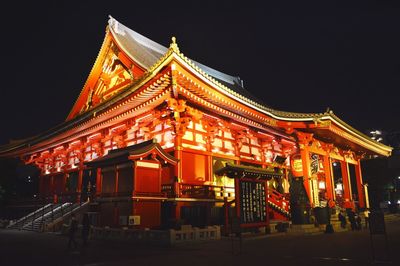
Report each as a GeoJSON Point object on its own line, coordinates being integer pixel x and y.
{"type": "Point", "coordinates": [198, 191]}
{"type": "Point", "coordinates": [278, 199]}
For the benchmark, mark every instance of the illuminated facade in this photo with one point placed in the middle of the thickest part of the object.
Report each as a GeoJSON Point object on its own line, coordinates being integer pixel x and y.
{"type": "Point", "coordinates": [151, 127]}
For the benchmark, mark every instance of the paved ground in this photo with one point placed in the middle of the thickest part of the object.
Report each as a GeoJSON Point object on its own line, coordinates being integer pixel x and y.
{"type": "Point", "coordinates": [347, 248]}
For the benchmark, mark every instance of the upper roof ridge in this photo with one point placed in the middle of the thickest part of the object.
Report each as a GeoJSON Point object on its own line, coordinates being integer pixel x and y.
{"type": "Point", "coordinates": [122, 32]}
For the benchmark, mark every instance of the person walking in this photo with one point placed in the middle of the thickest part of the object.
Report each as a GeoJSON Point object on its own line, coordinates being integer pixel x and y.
{"type": "Point", "coordinates": [342, 219]}
{"type": "Point", "coordinates": [352, 219]}
{"type": "Point", "coordinates": [85, 229]}
{"type": "Point", "coordinates": [73, 227]}
{"type": "Point", "coordinates": [358, 222]}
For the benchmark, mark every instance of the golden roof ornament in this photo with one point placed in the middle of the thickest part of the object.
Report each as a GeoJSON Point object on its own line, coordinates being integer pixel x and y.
{"type": "Point", "coordinates": [174, 46]}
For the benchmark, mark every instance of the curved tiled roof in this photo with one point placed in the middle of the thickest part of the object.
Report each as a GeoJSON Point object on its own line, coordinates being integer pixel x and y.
{"type": "Point", "coordinates": [147, 53]}
{"type": "Point", "coordinates": [141, 149]}
{"type": "Point", "coordinates": [151, 56]}
{"type": "Point", "coordinates": [232, 86]}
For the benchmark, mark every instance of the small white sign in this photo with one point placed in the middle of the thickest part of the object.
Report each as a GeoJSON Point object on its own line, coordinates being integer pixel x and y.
{"type": "Point", "coordinates": [134, 220]}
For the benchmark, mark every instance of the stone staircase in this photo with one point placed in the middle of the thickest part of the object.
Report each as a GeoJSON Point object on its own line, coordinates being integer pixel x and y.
{"type": "Point", "coordinates": [47, 217]}
{"type": "Point", "coordinates": [278, 226]}
{"type": "Point", "coordinates": [279, 206]}
{"type": "Point", "coordinates": [336, 224]}
{"type": "Point", "coordinates": [38, 225]}
{"type": "Point", "coordinates": [311, 229]}
{"type": "Point", "coordinates": [277, 212]}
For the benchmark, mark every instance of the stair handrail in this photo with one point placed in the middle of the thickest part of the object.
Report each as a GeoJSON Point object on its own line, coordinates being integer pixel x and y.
{"type": "Point", "coordinates": [43, 215]}
{"type": "Point", "coordinates": [50, 213]}
{"type": "Point", "coordinates": [276, 193]}
{"type": "Point", "coordinates": [40, 222]}
{"type": "Point", "coordinates": [24, 218]}
{"type": "Point", "coordinates": [33, 219]}
{"type": "Point", "coordinates": [278, 199]}
{"type": "Point", "coordinates": [74, 207]}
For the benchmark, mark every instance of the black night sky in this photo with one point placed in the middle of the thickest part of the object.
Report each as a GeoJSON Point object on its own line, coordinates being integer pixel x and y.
{"type": "Point", "coordinates": [294, 56]}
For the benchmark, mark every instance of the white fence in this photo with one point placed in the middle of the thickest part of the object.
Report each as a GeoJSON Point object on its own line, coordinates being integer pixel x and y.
{"type": "Point", "coordinates": [163, 237]}
{"type": "Point", "coordinates": [188, 233]}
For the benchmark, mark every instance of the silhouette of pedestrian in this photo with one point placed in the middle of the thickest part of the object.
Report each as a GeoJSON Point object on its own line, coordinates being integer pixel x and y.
{"type": "Point", "coordinates": [352, 219]}
{"type": "Point", "coordinates": [85, 228]}
{"type": "Point", "coordinates": [342, 219]}
{"type": "Point", "coordinates": [328, 210]}
{"type": "Point", "coordinates": [358, 222]}
{"type": "Point", "coordinates": [73, 227]}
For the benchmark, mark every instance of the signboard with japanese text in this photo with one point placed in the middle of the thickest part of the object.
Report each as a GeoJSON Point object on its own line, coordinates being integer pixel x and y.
{"type": "Point", "coordinates": [253, 208]}
{"type": "Point", "coordinates": [314, 163]}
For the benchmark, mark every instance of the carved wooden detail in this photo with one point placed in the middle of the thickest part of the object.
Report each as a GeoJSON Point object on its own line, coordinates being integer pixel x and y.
{"type": "Point", "coordinates": [182, 115]}
{"type": "Point", "coordinates": [113, 77]}
{"type": "Point", "coordinates": [304, 138]}
{"type": "Point", "coordinates": [213, 128]}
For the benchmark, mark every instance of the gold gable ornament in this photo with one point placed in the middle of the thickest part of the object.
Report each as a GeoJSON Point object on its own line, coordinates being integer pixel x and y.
{"type": "Point", "coordinates": [174, 46]}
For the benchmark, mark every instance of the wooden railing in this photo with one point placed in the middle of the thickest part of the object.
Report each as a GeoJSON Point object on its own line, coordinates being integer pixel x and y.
{"type": "Point", "coordinates": [169, 237]}
{"type": "Point", "coordinates": [197, 191]}
{"type": "Point", "coordinates": [279, 200]}
{"type": "Point", "coordinates": [150, 194]}
{"type": "Point", "coordinates": [168, 190]}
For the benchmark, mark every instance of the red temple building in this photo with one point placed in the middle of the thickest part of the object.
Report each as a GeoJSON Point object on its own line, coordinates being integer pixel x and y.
{"type": "Point", "coordinates": [163, 138]}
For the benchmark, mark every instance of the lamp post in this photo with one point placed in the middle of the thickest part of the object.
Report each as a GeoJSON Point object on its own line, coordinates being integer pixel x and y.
{"type": "Point", "coordinates": [394, 198]}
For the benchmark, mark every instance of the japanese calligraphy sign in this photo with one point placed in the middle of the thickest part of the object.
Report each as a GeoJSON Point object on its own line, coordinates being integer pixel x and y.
{"type": "Point", "coordinates": [252, 202]}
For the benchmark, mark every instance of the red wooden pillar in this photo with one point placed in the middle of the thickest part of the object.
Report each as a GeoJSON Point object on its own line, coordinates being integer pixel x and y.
{"type": "Point", "coordinates": [64, 188]}
{"type": "Point", "coordinates": [134, 186]}
{"type": "Point", "coordinates": [116, 180]}
{"type": "Point", "coordinates": [346, 185]}
{"type": "Point", "coordinates": [79, 185]}
{"type": "Point", "coordinates": [360, 186]}
{"type": "Point", "coordinates": [53, 189]}
{"type": "Point", "coordinates": [328, 178]}
{"type": "Point", "coordinates": [116, 207]}
{"type": "Point", "coordinates": [178, 173]}
{"type": "Point", "coordinates": [98, 181]}
{"type": "Point", "coordinates": [209, 161]}
{"type": "Point", "coordinates": [52, 185]}
{"type": "Point", "coordinates": [178, 155]}
{"type": "Point", "coordinates": [305, 158]}
{"type": "Point", "coordinates": [210, 172]}
{"type": "Point", "coordinates": [264, 165]}
{"type": "Point", "coordinates": [237, 197]}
